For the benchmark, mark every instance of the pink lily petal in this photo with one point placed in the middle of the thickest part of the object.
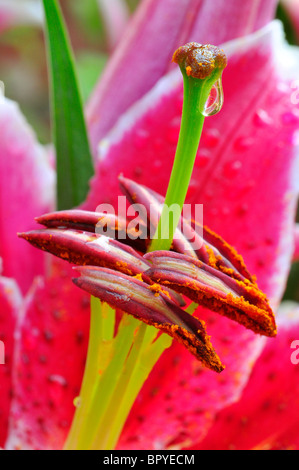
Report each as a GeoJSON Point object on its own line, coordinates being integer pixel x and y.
{"type": "Point", "coordinates": [26, 189]}
{"type": "Point", "coordinates": [116, 16]}
{"type": "Point", "coordinates": [241, 18]}
{"type": "Point", "coordinates": [10, 304]}
{"type": "Point", "coordinates": [236, 165]}
{"type": "Point", "coordinates": [266, 416]}
{"type": "Point", "coordinates": [15, 12]}
{"type": "Point", "coordinates": [145, 53]}
{"type": "Point", "coordinates": [50, 357]}
{"type": "Point", "coordinates": [296, 250]}
{"type": "Point", "coordinates": [238, 159]}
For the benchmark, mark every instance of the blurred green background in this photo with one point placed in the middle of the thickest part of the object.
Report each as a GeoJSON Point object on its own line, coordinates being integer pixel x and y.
{"type": "Point", "coordinates": [23, 66]}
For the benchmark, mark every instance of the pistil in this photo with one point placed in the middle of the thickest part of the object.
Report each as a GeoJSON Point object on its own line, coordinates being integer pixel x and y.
{"type": "Point", "coordinates": [201, 67]}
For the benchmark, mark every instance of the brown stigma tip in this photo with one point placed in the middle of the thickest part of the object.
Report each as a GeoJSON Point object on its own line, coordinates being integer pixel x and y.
{"type": "Point", "coordinates": [200, 61]}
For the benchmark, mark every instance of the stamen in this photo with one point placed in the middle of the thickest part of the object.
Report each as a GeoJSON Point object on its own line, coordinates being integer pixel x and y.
{"type": "Point", "coordinates": [83, 248]}
{"type": "Point", "coordinates": [138, 299]}
{"type": "Point", "coordinates": [111, 225]}
{"type": "Point", "coordinates": [206, 286]}
{"type": "Point", "coordinates": [213, 249]}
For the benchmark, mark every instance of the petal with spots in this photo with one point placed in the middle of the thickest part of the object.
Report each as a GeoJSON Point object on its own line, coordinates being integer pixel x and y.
{"type": "Point", "coordinates": [10, 309]}
{"type": "Point", "coordinates": [266, 415]}
{"type": "Point", "coordinates": [26, 190]}
{"type": "Point", "coordinates": [187, 395]}
{"type": "Point", "coordinates": [49, 363]}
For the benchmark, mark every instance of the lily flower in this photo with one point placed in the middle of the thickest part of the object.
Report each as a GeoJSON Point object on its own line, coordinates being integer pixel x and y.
{"type": "Point", "coordinates": [243, 176]}
{"type": "Point", "coordinates": [223, 290]}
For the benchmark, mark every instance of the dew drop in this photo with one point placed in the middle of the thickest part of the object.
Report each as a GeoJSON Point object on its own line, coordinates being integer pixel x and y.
{"type": "Point", "coordinates": [140, 139]}
{"type": "Point", "coordinates": [243, 143]}
{"type": "Point", "coordinates": [289, 118]}
{"type": "Point", "coordinates": [262, 118]}
{"type": "Point", "coordinates": [203, 158]}
{"type": "Point", "coordinates": [77, 402]}
{"type": "Point", "coordinates": [121, 297]}
{"type": "Point", "coordinates": [232, 168]}
{"type": "Point", "coordinates": [243, 209]}
{"type": "Point", "coordinates": [31, 339]}
{"type": "Point", "coordinates": [157, 164]}
{"type": "Point", "coordinates": [56, 389]}
{"type": "Point", "coordinates": [57, 379]}
{"type": "Point", "coordinates": [172, 133]}
{"type": "Point", "coordinates": [209, 194]}
{"type": "Point", "coordinates": [215, 100]}
{"type": "Point", "coordinates": [225, 210]}
{"type": "Point", "coordinates": [211, 138]}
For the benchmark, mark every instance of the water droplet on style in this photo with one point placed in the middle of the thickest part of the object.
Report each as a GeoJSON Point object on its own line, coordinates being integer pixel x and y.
{"type": "Point", "coordinates": [215, 100]}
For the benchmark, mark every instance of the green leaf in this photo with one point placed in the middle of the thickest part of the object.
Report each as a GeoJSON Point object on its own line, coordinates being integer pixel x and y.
{"type": "Point", "coordinates": [74, 161]}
